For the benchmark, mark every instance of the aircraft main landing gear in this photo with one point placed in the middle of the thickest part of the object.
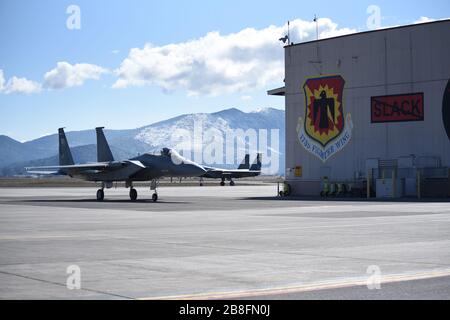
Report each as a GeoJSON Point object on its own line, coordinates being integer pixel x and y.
{"type": "Point", "coordinates": [100, 195]}
{"type": "Point", "coordinates": [101, 192]}
{"type": "Point", "coordinates": [133, 191]}
{"type": "Point", "coordinates": [133, 194]}
{"type": "Point", "coordinates": [222, 183]}
{"type": "Point", "coordinates": [231, 183]}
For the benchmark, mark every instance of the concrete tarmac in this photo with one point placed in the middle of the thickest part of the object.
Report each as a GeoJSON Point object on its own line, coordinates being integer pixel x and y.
{"type": "Point", "coordinates": [219, 242]}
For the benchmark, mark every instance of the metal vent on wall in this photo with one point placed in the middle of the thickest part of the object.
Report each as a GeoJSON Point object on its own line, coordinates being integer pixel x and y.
{"type": "Point", "coordinates": [428, 162]}
{"type": "Point", "coordinates": [388, 163]}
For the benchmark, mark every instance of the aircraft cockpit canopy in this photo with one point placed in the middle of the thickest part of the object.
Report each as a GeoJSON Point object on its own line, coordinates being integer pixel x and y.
{"type": "Point", "coordinates": [165, 152]}
{"type": "Point", "coordinates": [175, 156]}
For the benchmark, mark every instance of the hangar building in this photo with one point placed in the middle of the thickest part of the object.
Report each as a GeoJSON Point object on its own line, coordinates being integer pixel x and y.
{"type": "Point", "coordinates": [369, 113]}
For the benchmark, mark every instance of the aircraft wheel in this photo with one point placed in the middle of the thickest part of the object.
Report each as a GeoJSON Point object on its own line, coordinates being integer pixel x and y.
{"type": "Point", "coordinates": [100, 195]}
{"type": "Point", "coordinates": [231, 183]}
{"type": "Point", "coordinates": [155, 197]}
{"type": "Point", "coordinates": [133, 194]}
{"type": "Point", "coordinates": [222, 183]}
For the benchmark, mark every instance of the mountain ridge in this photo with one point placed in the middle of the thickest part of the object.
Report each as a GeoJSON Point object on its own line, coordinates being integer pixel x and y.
{"type": "Point", "coordinates": [126, 143]}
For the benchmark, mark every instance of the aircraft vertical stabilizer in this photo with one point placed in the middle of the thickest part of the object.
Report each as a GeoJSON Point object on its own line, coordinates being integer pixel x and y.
{"type": "Point", "coordinates": [245, 163]}
{"type": "Point", "coordinates": [256, 166]}
{"type": "Point", "coordinates": [104, 153]}
{"type": "Point", "coordinates": [65, 156]}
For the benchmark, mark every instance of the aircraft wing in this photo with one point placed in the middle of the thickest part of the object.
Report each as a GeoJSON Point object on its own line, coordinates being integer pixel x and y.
{"type": "Point", "coordinates": [88, 166]}
{"type": "Point", "coordinates": [80, 168]}
{"type": "Point", "coordinates": [49, 173]}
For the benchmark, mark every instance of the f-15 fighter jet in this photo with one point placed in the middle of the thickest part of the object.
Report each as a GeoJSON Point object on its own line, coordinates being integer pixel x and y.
{"type": "Point", "coordinates": [146, 167]}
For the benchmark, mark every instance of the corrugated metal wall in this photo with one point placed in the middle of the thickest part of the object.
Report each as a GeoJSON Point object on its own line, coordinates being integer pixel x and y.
{"type": "Point", "coordinates": [393, 61]}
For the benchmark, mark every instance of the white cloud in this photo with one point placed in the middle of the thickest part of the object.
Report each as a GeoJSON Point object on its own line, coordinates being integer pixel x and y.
{"type": "Point", "coordinates": [18, 85]}
{"type": "Point", "coordinates": [217, 64]}
{"type": "Point", "coordinates": [68, 75]}
{"type": "Point", "coordinates": [424, 19]}
{"type": "Point", "coordinates": [427, 19]}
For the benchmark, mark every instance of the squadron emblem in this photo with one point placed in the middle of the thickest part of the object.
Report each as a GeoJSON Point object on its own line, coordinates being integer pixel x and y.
{"type": "Point", "coordinates": [324, 130]}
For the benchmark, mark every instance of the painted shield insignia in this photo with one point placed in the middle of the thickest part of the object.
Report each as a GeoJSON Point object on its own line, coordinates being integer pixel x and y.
{"type": "Point", "coordinates": [325, 130]}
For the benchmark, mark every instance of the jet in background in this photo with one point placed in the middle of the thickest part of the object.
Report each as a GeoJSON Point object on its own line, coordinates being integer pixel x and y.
{"type": "Point", "coordinates": [146, 167]}
{"type": "Point", "coordinates": [244, 170]}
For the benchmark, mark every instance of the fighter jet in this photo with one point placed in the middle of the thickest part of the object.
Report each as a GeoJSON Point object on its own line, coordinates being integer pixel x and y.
{"type": "Point", "coordinates": [244, 170]}
{"type": "Point", "coordinates": [146, 167]}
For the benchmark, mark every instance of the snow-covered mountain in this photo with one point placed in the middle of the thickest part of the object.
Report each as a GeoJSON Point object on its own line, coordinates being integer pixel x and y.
{"type": "Point", "coordinates": [190, 132]}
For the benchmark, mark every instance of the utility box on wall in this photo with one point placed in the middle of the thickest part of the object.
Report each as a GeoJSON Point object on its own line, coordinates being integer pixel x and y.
{"type": "Point", "coordinates": [385, 188]}
{"type": "Point", "coordinates": [410, 187]}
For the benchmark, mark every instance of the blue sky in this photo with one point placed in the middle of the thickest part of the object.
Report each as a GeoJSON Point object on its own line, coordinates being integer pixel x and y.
{"type": "Point", "coordinates": [173, 75]}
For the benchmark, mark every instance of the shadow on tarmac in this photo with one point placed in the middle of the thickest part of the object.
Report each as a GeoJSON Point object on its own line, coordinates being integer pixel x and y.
{"type": "Point", "coordinates": [331, 199]}
{"type": "Point", "coordinates": [104, 201]}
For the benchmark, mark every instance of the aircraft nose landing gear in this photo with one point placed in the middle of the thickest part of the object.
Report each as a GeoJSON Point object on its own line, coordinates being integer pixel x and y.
{"type": "Point", "coordinates": [154, 186]}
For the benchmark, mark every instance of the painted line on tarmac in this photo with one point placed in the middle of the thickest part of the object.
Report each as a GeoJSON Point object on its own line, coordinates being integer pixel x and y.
{"type": "Point", "coordinates": [302, 288]}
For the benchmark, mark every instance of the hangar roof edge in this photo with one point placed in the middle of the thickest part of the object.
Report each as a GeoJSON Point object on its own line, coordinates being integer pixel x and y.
{"type": "Point", "coordinates": [369, 31]}
{"type": "Point", "coordinates": [277, 92]}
